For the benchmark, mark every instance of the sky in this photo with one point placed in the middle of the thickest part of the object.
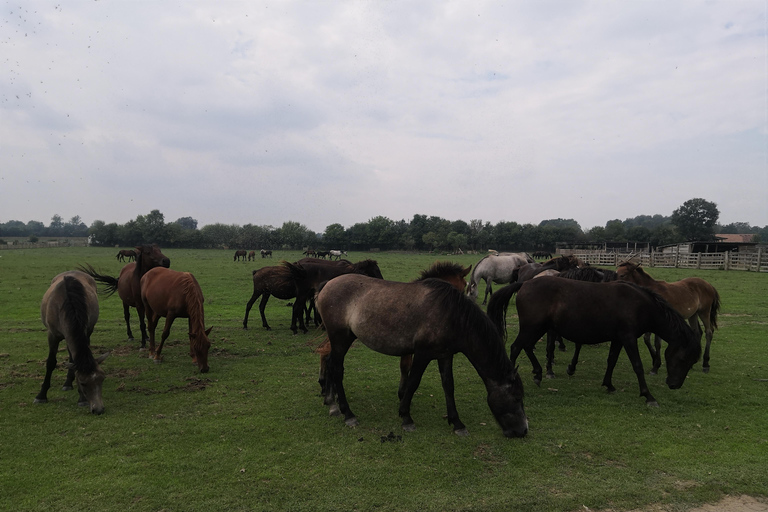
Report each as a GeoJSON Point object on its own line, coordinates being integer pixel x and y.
{"type": "Point", "coordinates": [323, 112]}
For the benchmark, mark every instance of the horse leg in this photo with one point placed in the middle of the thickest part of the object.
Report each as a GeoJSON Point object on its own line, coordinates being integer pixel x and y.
{"type": "Point", "coordinates": [574, 360]}
{"type": "Point", "coordinates": [445, 365]}
{"type": "Point", "coordinates": [70, 376]}
{"type": "Point", "coordinates": [142, 325]}
{"type": "Point", "coordinates": [613, 357]}
{"type": "Point", "coordinates": [405, 367]}
{"type": "Point", "coordinates": [637, 364]}
{"type": "Point", "coordinates": [127, 315]}
{"type": "Point", "coordinates": [248, 307]}
{"type": "Point", "coordinates": [152, 319]}
{"type": "Point", "coordinates": [297, 315]}
{"type": "Point", "coordinates": [654, 353]}
{"type": "Point", "coordinates": [526, 342]}
{"type": "Point", "coordinates": [335, 366]}
{"type": "Point", "coordinates": [551, 341]}
{"type": "Point", "coordinates": [166, 331]}
{"type": "Point", "coordinates": [694, 323]}
{"type": "Point", "coordinates": [262, 307]}
{"type": "Point", "coordinates": [488, 291]}
{"type": "Point", "coordinates": [50, 365]}
{"type": "Point", "coordinates": [560, 343]}
{"type": "Point", "coordinates": [414, 379]}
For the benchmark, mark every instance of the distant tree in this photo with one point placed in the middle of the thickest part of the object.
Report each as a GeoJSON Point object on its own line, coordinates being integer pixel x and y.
{"type": "Point", "coordinates": [614, 231]}
{"type": "Point", "coordinates": [334, 236]}
{"type": "Point", "coordinates": [186, 223]}
{"type": "Point", "coordinates": [695, 219]}
{"type": "Point", "coordinates": [56, 226]}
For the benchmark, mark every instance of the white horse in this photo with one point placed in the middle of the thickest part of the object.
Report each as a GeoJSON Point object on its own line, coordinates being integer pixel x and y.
{"type": "Point", "coordinates": [496, 268]}
{"type": "Point", "coordinates": [337, 254]}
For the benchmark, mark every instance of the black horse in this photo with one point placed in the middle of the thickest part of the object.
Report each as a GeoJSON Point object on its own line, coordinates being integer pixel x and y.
{"type": "Point", "coordinates": [591, 313]}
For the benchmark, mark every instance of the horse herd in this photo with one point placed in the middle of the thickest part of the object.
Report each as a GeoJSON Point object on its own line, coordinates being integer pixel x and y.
{"type": "Point", "coordinates": [432, 317]}
{"type": "Point", "coordinates": [241, 255]}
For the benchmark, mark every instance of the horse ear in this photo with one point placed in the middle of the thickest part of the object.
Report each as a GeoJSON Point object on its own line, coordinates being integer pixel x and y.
{"type": "Point", "coordinates": [102, 357]}
{"type": "Point", "coordinates": [208, 331]}
{"type": "Point", "coordinates": [466, 271]}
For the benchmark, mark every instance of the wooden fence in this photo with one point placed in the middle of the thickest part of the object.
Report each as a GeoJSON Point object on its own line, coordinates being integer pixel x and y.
{"type": "Point", "coordinates": [733, 260]}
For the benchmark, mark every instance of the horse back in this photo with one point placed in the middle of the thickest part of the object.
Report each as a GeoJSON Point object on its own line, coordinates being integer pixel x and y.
{"type": "Point", "coordinates": [169, 291]}
{"type": "Point", "coordinates": [275, 280]}
{"type": "Point", "coordinates": [63, 299]}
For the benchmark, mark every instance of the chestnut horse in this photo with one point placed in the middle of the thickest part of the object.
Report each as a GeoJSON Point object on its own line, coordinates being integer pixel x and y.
{"type": "Point", "coordinates": [452, 273]}
{"type": "Point", "coordinates": [69, 311]}
{"type": "Point", "coordinates": [252, 256]}
{"type": "Point", "coordinates": [692, 297]}
{"type": "Point", "coordinates": [128, 284]}
{"type": "Point", "coordinates": [171, 294]}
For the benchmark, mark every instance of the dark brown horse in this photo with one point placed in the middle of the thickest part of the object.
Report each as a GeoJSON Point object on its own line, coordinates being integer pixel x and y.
{"type": "Point", "coordinates": [171, 294]}
{"type": "Point", "coordinates": [275, 280]}
{"type": "Point", "coordinates": [126, 253]}
{"type": "Point", "coordinates": [452, 273]}
{"type": "Point", "coordinates": [240, 254]}
{"type": "Point", "coordinates": [590, 313]}
{"type": "Point", "coordinates": [128, 284]}
{"type": "Point", "coordinates": [431, 320]}
{"type": "Point", "coordinates": [252, 256]}
{"type": "Point", "coordinates": [559, 264]}
{"type": "Point", "coordinates": [308, 274]}
{"type": "Point", "coordinates": [692, 297]}
{"type": "Point", "coordinates": [69, 311]}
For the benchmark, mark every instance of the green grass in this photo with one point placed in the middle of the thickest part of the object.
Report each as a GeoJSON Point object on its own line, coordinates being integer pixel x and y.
{"type": "Point", "coordinates": [253, 434]}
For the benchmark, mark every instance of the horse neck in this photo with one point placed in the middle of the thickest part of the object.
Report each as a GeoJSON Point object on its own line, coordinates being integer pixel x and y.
{"type": "Point", "coordinates": [491, 365]}
{"type": "Point", "coordinates": [195, 310]}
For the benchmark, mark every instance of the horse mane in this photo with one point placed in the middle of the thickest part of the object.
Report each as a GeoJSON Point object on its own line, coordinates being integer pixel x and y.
{"type": "Point", "coordinates": [75, 309]}
{"type": "Point", "coordinates": [441, 269]}
{"type": "Point", "coordinates": [368, 267]}
{"type": "Point", "coordinates": [464, 315]}
{"type": "Point", "coordinates": [591, 274]}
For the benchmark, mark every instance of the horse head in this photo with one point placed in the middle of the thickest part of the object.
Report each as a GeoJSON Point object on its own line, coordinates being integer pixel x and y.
{"type": "Point", "coordinates": [150, 256]}
{"type": "Point", "coordinates": [200, 344]}
{"type": "Point", "coordinates": [505, 399]}
{"type": "Point", "coordinates": [90, 384]}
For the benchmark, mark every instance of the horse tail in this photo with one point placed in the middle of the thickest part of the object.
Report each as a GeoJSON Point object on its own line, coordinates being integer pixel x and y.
{"type": "Point", "coordinates": [497, 306]}
{"type": "Point", "coordinates": [714, 309]}
{"type": "Point", "coordinates": [109, 282]}
{"type": "Point", "coordinates": [75, 309]}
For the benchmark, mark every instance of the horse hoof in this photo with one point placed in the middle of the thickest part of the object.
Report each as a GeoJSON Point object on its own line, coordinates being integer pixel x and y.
{"type": "Point", "coordinates": [462, 432]}
{"type": "Point", "coordinates": [570, 371]}
{"type": "Point", "coordinates": [334, 410]}
{"type": "Point", "coordinates": [41, 400]}
{"type": "Point", "coordinates": [67, 388]}
{"type": "Point", "coordinates": [550, 375]}
{"type": "Point", "coordinates": [351, 422]}
{"type": "Point", "coordinates": [563, 349]}
{"type": "Point", "coordinates": [409, 427]}
{"type": "Point", "coordinates": [157, 360]}
{"type": "Point", "coordinates": [142, 349]}
{"type": "Point", "coordinates": [653, 372]}
{"type": "Point", "coordinates": [537, 381]}
{"type": "Point", "coordinates": [652, 403]}
{"type": "Point", "coordinates": [705, 369]}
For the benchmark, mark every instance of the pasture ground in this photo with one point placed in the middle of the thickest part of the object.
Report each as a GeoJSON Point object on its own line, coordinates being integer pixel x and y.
{"type": "Point", "coordinates": [253, 434]}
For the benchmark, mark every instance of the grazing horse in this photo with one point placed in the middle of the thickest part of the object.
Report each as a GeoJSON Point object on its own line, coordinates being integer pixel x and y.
{"type": "Point", "coordinates": [322, 254]}
{"type": "Point", "coordinates": [591, 313]}
{"type": "Point", "coordinates": [431, 320]}
{"type": "Point", "coordinates": [337, 254]}
{"type": "Point", "coordinates": [692, 297]}
{"type": "Point", "coordinates": [559, 264]}
{"type": "Point", "coordinates": [452, 273]}
{"type": "Point", "coordinates": [126, 253]}
{"type": "Point", "coordinates": [252, 256]}
{"type": "Point", "coordinates": [128, 283]}
{"type": "Point", "coordinates": [309, 253]}
{"type": "Point", "coordinates": [69, 311]}
{"type": "Point", "coordinates": [173, 295]}
{"type": "Point", "coordinates": [266, 252]}
{"type": "Point", "coordinates": [240, 254]}
{"type": "Point", "coordinates": [276, 280]}
{"type": "Point", "coordinates": [309, 274]}
{"type": "Point", "coordinates": [495, 268]}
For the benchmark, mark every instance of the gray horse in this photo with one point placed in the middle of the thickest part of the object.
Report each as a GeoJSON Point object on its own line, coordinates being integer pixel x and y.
{"type": "Point", "coordinates": [496, 268]}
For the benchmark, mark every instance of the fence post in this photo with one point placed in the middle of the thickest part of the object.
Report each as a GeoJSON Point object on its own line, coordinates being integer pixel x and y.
{"type": "Point", "coordinates": [759, 258]}
{"type": "Point", "coordinates": [727, 260]}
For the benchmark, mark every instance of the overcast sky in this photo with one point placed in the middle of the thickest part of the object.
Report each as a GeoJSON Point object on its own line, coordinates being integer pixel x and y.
{"type": "Point", "coordinates": [325, 112]}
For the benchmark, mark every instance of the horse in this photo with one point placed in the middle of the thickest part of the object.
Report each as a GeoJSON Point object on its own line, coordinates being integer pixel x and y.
{"type": "Point", "coordinates": [542, 255]}
{"type": "Point", "coordinates": [590, 313]}
{"type": "Point", "coordinates": [275, 280]}
{"type": "Point", "coordinates": [495, 268]}
{"type": "Point", "coordinates": [266, 252]}
{"type": "Point", "coordinates": [69, 310]}
{"type": "Point", "coordinates": [452, 273]}
{"type": "Point", "coordinates": [431, 320]}
{"type": "Point", "coordinates": [308, 274]}
{"type": "Point", "coordinates": [309, 253]}
{"type": "Point", "coordinates": [336, 254]}
{"type": "Point", "coordinates": [240, 254]}
{"type": "Point", "coordinates": [126, 253]}
{"type": "Point", "coordinates": [172, 294]}
{"type": "Point", "coordinates": [692, 297]}
{"type": "Point", "coordinates": [128, 283]}
{"type": "Point", "coordinates": [531, 270]}
{"type": "Point", "coordinates": [322, 254]}
{"type": "Point", "coordinates": [252, 256]}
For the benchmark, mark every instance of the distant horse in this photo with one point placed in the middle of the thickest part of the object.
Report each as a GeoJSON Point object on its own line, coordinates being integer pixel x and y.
{"type": "Point", "coordinates": [336, 254]}
{"type": "Point", "coordinates": [275, 280]}
{"type": "Point", "coordinates": [590, 313]}
{"type": "Point", "coordinates": [171, 294]}
{"type": "Point", "coordinates": [530, 270]}
{"type": "Point", "coordinates": [431, 320]}
{"type": "Point", "coordinates": [69, 310]}
{"type": "Point", "coordinates": [126, 253]}
{"type": "Point", "coordinates": [240, 254]}
{"type": "Point", "coordinates": [266, 252]}
{"type": "Point", "coordinates": [542, 254]}
{"type": "Point", "coordinates": [495, 268]}
{"type": "Point", "coordinates": [452, 273]}
{"type": "Point", "coordinates": [322, 254]}
{"type": "Point", "coordinates": [309, 253]}
{"type": "Point", "coordinates": [252, 256]}
{"type": "Point", "coordinates": [128, 286]}
{"type": "Point", "coordinates": [692, 297]}
{"type": "Point", "coordinates": [308, 275]}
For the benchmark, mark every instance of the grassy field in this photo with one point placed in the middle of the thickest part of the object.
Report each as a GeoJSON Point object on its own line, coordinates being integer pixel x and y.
{"type": "Point", "coordinates": [253, 434]}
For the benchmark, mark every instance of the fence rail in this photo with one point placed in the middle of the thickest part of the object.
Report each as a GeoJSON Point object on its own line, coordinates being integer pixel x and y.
{"type": "Point", "coordinates": [731, 260]}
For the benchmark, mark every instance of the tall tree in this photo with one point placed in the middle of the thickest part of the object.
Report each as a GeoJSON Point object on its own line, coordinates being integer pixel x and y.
{"type": "Point", "coordinates": [695, 219]}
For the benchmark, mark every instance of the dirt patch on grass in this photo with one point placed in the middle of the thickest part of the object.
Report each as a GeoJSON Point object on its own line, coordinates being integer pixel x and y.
{"type": "Point", "coordinates": [741, 503]}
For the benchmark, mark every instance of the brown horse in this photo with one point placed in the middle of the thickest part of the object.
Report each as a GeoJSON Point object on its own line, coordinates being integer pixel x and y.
{"type": "Point", "coordinates": [252, 256]}
{"type": "Point", "coordinates": [275, 280]}
{"type": "Point", "coordinates": [452, 273]}
{"type": "Point", "coordinates": [173, 295]}
{"type": "Point", "coordinates": [431, 320]}
{"type": "Point", "coordinates": [69, 311]}
{"type": "Point", "coordinates": [692, 297]}
{"type": "Point", "coordinates": [240, 254]}
{"type": "Point", "coordinates": [559, 264]}
{"type": "Point", "coordinates": [128, 284]}
{"type": "Point", "coordinates": [126, 253]}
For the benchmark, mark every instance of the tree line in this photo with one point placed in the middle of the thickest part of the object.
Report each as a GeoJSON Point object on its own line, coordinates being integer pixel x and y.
{"type": "Point", "coordinates": [696, 219]}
